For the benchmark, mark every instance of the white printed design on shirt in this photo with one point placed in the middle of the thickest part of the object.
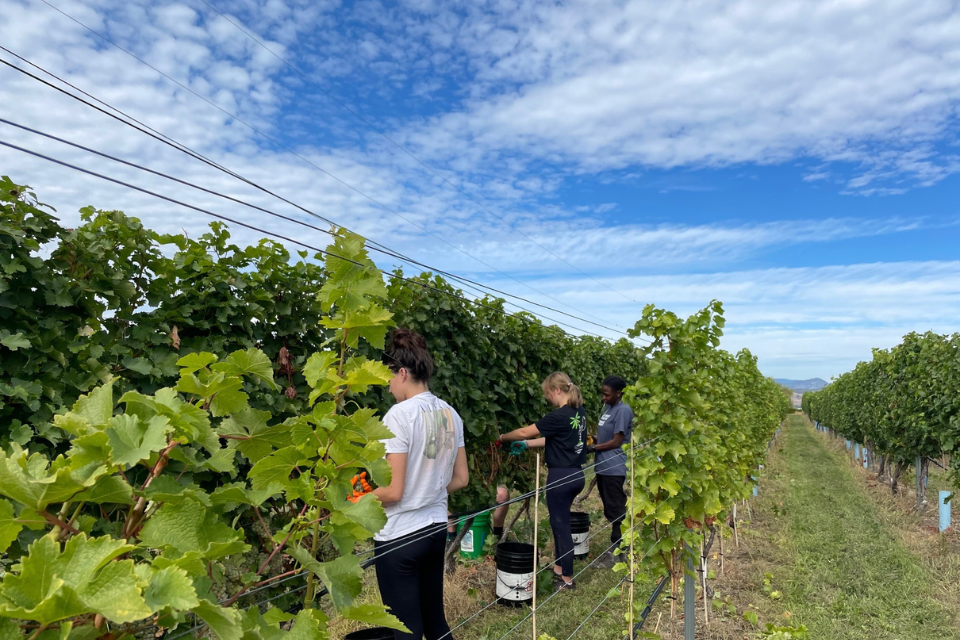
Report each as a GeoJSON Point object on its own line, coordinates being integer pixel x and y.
{"type": "Point", "coordinates": [440, 435]}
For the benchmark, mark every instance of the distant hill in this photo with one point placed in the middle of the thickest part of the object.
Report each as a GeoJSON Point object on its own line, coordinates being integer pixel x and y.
{"type": "Point", "coordinates": [813, 384]}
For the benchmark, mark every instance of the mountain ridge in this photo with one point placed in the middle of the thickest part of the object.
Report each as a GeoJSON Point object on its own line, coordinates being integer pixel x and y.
{"type": "Point", "coordinates": [811, 384]}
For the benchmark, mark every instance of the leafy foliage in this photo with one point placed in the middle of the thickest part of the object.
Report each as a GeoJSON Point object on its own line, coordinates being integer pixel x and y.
{"type": "Point", "coordinates": [904, 404]}
{"type": "Point", "coordinates": [489, 365]}
{"type": "Point", "coordinates": [154, 299]}
{"type": "Point", "coordinates": [120, 531]}
{"type": "Point", "coordinates": [709, 415]}
{"type": "Point", "coordinates": [149, 455]}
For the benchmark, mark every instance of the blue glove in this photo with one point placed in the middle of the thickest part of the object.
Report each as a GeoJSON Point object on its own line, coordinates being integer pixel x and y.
{"type": "Point", "coordinates": [518, 447]}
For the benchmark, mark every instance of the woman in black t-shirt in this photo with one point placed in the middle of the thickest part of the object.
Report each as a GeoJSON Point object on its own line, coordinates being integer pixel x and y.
{"type": "Point", "coordinates": [563, 432]}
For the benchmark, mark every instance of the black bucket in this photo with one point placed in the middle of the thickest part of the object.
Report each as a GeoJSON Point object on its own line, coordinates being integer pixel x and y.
{"type": "Point", "coordinates": [515, 568]}
{"type": "Point", "coordinates": [374, 633]}
{"type": "Point", "coordinates": [580, 528]}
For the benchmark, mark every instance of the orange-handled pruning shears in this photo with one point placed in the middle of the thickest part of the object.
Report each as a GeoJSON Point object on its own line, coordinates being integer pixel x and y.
{"type": "Point", "coordinates": [360, 487]}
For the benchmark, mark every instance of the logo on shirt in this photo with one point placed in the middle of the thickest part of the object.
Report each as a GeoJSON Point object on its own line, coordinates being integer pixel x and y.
{"type": "Point", "coordinates": [578, 423]}
{"type": "Point", "coordinates": [441, 435]}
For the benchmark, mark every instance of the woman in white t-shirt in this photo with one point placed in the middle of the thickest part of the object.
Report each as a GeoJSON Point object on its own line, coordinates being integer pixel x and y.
{"type": "Point", "coordinates": [428, 461]}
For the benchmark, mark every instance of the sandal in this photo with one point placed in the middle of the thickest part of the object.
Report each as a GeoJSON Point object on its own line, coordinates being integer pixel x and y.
{"type": "Point", "coordinates": [562, 585]}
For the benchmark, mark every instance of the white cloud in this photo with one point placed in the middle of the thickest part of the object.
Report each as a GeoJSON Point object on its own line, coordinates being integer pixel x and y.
{"type": "Point", "coordinates": [593, 245]}
{"type": "Point", "coordinates": [609, 85]}
{"type": "Point", "coordinates": [802, 322]}
{"type": "Point", "coordinates": [588, 87]}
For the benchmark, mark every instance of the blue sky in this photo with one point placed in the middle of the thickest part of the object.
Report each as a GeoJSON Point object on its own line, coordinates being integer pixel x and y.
{"type": "Point", "coordinates": [797, 160]}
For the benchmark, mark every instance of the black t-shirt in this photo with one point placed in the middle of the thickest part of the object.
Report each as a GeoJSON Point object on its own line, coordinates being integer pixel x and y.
{"type": "Point", "coordinates": [566, 432]}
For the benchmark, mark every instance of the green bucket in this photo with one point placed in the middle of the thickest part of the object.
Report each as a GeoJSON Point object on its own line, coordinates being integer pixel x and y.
{"type": "Point", "coordinates": [471, 545]}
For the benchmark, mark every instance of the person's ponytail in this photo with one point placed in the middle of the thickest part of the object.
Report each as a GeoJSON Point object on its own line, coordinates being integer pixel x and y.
{"type": "Point", "coordinates": [575, 400]}
{"type": "Point", "coordinates": [560, 381]}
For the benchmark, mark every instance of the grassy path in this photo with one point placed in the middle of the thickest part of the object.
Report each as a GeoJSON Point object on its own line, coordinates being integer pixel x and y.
{"type": "Point", "coordinates": [850, 577]}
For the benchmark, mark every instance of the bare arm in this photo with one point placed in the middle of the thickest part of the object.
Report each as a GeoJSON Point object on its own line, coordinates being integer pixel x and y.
{"type": "Point", "coordinates": [394, 491]}
{"type": "Point", "coordinates": [537, 443]}
{"type": "Point", "coordinates": [523, 433]}
{"type": "Point", "coordinates": [616, 443]}
{"type": "Point", "coordinates": [461, 473]}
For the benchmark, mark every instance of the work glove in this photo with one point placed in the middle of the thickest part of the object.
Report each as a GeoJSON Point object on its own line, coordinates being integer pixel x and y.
{"type": "Point", "coordinates": [360, 487]}
{"type": "Point", "coordinates": [518, 447]}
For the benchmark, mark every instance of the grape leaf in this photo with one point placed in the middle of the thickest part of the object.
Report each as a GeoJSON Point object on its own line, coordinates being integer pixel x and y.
{"type": "Point", "coordinates": [274, 470]}
{"type": "Point", "coordinates": [96, 407]}
{"type": "Point", "coordinates": [9, 527]}
{"type": "Point", "coordinates": [252, 363]}
{"type": "Point", "coordinates": [310, 624]}
{"type": "Point", "coordinates": [224, 621]}
{"type": "Point", "coordinates": [133, 440]}
{"type": "Point", "coordinates": [29, 481]}
{"type": "Point", "coordinates": [343, 577]}
{"type": "Point", "coordinates": [258, 439]}
{"type": "Point", "coordinates": [375, 615]}
{"type": "Point", "coordinates": [108, 489]}
{"type": "Point", "coordinates": [194, 362]}
{"type": "Point", "coordinates": [84, 578]}
{"type": "Point", "coordinates": [189, 526]}
{"type": "Point", "coordinates": [367, 512]}
{"type": "Point", "coordinates": [14, 341]}
{"type": "Point", "coordinates": [170, 588]}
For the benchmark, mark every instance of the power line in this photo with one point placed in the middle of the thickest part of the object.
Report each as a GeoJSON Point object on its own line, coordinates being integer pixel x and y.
{"type": "Point", "coordinates": [597, 608]}
{"type": "Point", "coordinates": [546, 566]}
{"type": "Point", "coordinates": [554, 594]}
{"type": "Point", "coordinates": [274, 234]}
{"type": "Point", "coordinates": [370, 561]}
{"type": "Point", "coordinates": [161, 137]}
{"type": "Point", "coordinates": [405, 150]}
{"type": "Point", "coordinates": [375, 246]}
{"type": "Point", "coordinates": [529, 494]}
{"type": "Point", "coordinates": [297, 155]}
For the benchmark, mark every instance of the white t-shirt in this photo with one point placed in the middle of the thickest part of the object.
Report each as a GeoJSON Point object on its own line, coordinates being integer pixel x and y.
{"type": "Point", "coordinates": [429, 431]}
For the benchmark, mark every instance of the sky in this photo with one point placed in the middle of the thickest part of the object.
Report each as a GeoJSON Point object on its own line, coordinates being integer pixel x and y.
{"type": "Point", "coordinates": [798, 161]}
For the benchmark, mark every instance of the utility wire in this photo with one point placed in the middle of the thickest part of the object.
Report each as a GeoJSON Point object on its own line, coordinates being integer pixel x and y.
{"type": "Point", "coordinates": [405, 150]}
{"type": "Point", "coordinates": [304, 159]}
{"type": "Point", "coordinates": [375, 246]}
{"type": "Point", "coordinates": [542, 569]}
{"type": "Point", "coordinates": [323, 252]}
{"type": "Point", "coordinates": [464, 518]}
{"type": "Point", "coordinates": [161, 137]}
{"type": "Point", "coordinates": [167, 140]}
{"type": "Point", "coordinates": [529, 494]}
{"type": "Point", "coordinates": [554, 594]}
{"type": "Point", "coordinates": [369, 562]}
{"type": "Point", "coordinates": [597, 608]}
{"type": "Point", "coordinates": [281, 237]}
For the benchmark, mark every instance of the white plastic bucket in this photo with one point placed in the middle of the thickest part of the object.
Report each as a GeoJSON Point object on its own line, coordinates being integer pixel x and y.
{"type": "Point", "coordinates": [581, 544]}
{"type": "Point", "coordinates": [515, 569]}
{"type": "Point", "coordinates": [516, 587]}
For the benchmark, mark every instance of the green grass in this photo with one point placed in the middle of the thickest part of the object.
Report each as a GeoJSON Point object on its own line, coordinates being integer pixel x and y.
{"type": "Point", "coordinates": [560, 616]}
{"type": "Point", "coordinates": [849, 576]}
{"type": "Point", "coordinates": [835, 552]}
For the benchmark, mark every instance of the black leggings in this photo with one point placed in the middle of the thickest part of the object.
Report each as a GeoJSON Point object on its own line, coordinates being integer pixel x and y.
{"type": "Point", "coordinates": [559, 500]}
{"type": "Point", "coordinates": [411, 582]}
